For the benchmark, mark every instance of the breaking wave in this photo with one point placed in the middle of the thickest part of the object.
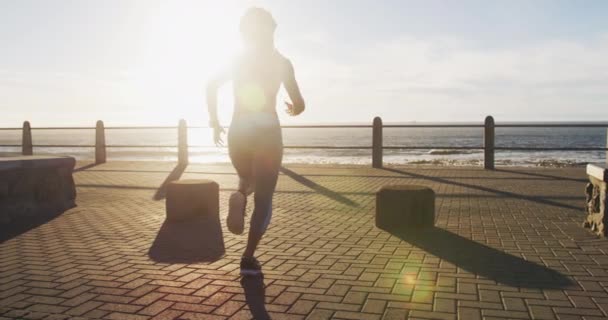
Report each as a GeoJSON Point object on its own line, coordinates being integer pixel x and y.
{"type": "Point", "coordinates": [451, 151]}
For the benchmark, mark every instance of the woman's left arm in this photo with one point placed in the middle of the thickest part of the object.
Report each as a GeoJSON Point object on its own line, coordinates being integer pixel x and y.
{"type": "Point", "coordinates": [297, 104]}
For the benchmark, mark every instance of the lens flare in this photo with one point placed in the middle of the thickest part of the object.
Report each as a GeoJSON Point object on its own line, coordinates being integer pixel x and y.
{"type": "Point", "coordinates": [422, 296]}
{"type": "Point", "coordinates": [409, 279]}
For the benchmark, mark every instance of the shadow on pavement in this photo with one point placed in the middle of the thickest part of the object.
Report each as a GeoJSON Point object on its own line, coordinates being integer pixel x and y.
{"type": "Point", "coordinates": [177, 172]}
{"type": "Point", "coordinates": [190, 241]}
{"type": "Point", "coordinates": [23, 225]}
{"type": "Point", "coordinates": [255, 294]}
{"type": "Point", "coordinates": [540, 175]}
{"type": "Point", "coordinates": [484, 261]}
{"type": "Point", "coordinates": [318, 188]}
{"type": "Point", "coordinates": [86, 167]}
{"type": "Point", "coordinates": [506, 194]}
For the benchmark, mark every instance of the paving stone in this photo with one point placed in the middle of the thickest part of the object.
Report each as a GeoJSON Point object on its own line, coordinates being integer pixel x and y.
{"type": "Point", "coordinates": [508, 243]}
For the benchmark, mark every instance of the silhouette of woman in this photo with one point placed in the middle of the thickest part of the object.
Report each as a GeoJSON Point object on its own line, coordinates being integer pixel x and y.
{"type": "Point", "coordinates": [255, 143]}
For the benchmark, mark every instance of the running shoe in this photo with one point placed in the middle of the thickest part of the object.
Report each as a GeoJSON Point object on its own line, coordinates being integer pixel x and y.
{"type": "Point", "coordinates": [250, 267]}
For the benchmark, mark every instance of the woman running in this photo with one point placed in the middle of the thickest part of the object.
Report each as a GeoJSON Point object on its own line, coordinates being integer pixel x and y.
{"type": "Point", "coordinates": [255, 143]}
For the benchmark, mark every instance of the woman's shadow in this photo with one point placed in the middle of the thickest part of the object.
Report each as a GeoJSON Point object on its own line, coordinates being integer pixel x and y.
{"type": "Point", "coordinates": [255, 295]}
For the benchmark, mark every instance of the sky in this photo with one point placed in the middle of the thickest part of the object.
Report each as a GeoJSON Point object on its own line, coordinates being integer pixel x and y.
{"type": "Point", "coordinates": [72, 62]}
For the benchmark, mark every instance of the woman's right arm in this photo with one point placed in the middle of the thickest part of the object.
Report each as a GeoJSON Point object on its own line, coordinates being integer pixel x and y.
{"type": "Point", "coordinates": [211, 92]}
{"type": "Point", "coordinates": [212, 88]}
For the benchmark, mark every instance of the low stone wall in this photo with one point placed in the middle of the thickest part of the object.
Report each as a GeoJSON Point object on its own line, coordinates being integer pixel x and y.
{"type": "Point", "coordinates": [595, 204]}
{"type": "Point", "coordinates": [34, 186]}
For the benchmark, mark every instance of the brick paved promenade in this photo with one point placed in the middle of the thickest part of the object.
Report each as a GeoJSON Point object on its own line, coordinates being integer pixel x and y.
{"type": "Point", "coordinates": [508, 244]}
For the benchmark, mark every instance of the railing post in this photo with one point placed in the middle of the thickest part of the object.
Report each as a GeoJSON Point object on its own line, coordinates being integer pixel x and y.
{"type": "Point", "coordinates": [182, 143]}
{"type": "Point", "coordinates": [377, 143]}
{"type": "Point", "coordinates": [27, 148]}
{"type": "Point", "coordinates": [488, 143]}
{"type": "Point", "coordinates": [100, 143]}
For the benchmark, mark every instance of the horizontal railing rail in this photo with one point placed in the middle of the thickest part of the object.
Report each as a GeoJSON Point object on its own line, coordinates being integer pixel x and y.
{"type": "Point", "coordinates": [377, 146]}
{"type": "Point", "coordinates": [540, 125]}
{"type": "Point", "coordinates": [319, 147]}
{"type": "Point", "coordinates": [552, 125]}
{"type": "Point", "coordinates": [354, 126]}
{"type": "Point", "coordinates": [550, 149]}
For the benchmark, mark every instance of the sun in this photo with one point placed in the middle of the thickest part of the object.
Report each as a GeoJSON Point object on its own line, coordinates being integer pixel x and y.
{"type": "Point", "coordinates": [183, 44]}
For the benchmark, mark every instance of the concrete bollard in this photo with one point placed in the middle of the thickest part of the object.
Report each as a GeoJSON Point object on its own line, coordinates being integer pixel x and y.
{"type": "Point", "coordinates": [405, 207]}
{"type": "Point", "coordinates": [488, 143]}
{"type": "Point", "coordinates": [182, 143]}
{"type": "Point", "coordinates": [192, 231]}
{"type": "Point", "coordinates": [377, 143]}
{"type": "Point", "coordinates": [27, 148]}
{"type": "Point", "coordinates": [100, 143]}
{"type": "Point", "coordinates": [187, 199]}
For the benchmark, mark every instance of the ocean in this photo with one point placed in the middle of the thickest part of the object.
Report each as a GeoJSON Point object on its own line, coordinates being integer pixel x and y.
{"type": "Point", "coordinates": [202, 151]}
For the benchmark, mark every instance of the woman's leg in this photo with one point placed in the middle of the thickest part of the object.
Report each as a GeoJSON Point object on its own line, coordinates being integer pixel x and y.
{"type": "Point", "coordinates": [241, 158]}
{"type": "Point", "coordinates": [266, 164]}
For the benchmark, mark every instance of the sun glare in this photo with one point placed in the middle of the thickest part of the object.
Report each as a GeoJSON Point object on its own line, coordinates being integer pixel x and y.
{"type": "Point", "coordinates": [182, 47]}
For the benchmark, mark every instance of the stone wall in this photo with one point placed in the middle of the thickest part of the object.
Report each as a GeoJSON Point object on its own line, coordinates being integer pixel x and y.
{"type": "Point", "coordinates": [595, 204]}
{"type": "Point", "coordinates": [34, 186]}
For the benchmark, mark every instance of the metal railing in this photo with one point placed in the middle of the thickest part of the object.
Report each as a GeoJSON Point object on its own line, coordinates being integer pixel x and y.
{"type": "Point", "coordinates": [377, 146]}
